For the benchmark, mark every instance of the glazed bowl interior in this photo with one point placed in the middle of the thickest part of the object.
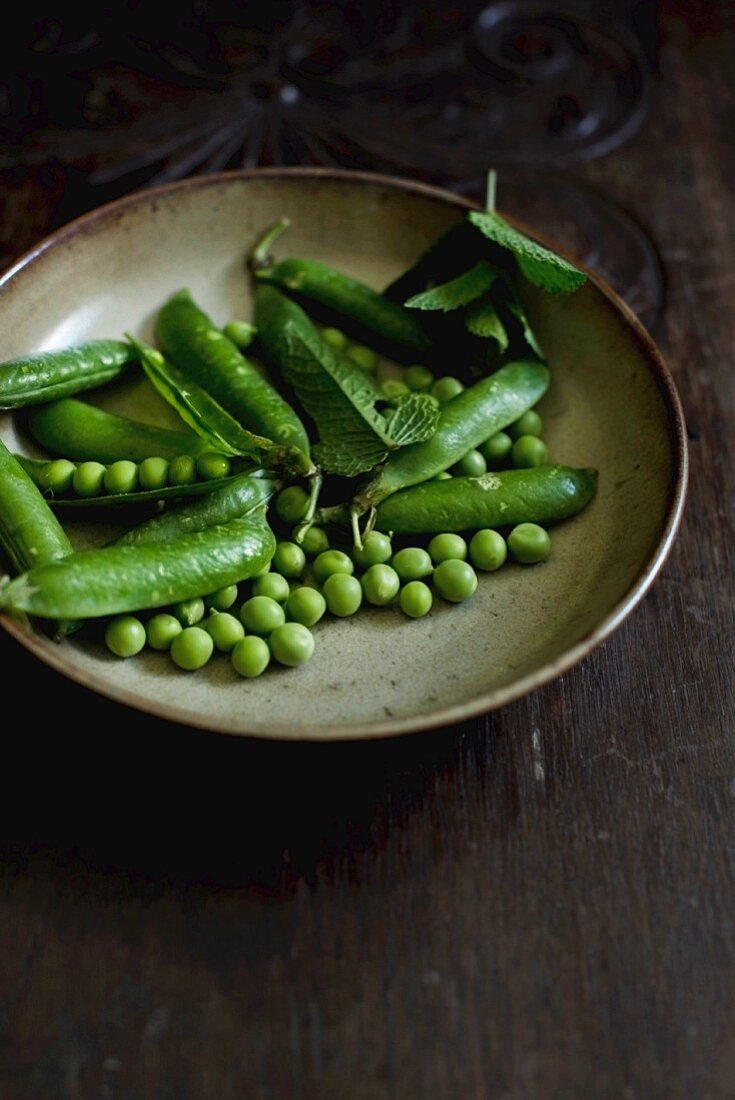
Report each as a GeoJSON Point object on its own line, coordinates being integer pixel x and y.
{"type": "Point", "coordinates": [610, 405]}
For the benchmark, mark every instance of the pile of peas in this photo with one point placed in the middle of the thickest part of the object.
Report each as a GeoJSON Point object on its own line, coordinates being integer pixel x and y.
{"type": "Point", "coordinates": [93, 479]}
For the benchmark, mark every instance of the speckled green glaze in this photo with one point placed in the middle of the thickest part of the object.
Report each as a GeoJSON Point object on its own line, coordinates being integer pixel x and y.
{"type": "Point", "coordinates": [611, 404]}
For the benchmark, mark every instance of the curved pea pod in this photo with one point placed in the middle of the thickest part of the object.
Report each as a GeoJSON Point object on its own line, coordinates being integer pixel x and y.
{"type": "Point", "coordinates": [370, 314]}
{"type": "Point", "coordinates": [82, 433]}
{"type": "Point", "coordinates": [116, 579]}
{"type": "Point", "coordinates": [46, 375]}
{"type": "Point", "coordinates": [202, 352]}
{"type": "Point", "coordinates": [544, 494]}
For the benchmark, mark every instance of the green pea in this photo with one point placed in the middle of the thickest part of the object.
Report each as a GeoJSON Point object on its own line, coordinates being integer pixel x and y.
{"type": "Point", "coordinates": [57, 476]}
{"type": "Point", "coordinates": [415, 599]}
{"type": "Point", "coordinates": [343, 594]}
{"type": "Point", "coordinates": [125, 636]}
{"type": "Point", "coordinates": [291, 644]}
{"type": "Point", "coordinates": [380, 585]}
{"type": "Point", "coordinates": [335, 338]}
{"type": "Point", "coordinates": [273, 585]}
{"type": "Point", "coordinates": [529, 543]}
{"type": "Point", "coordinates": [455, 580]}
{"type": "Point", "coordinates": [241, 333]}
{"type": "Point", "coordinates": [161, 630]}
{"type": "Point", "coordinates": [182, 470]}
{"type": "Point", "coordinates": [496, 448]}
{"type": "Point", "coordinates": [488, 550]}
{"type": "Point", "coordinates": [447, 545]}
{"type": "Point", "coordinates": [189, 612]}
{"type": "Point", "coordinates": [376, 549]}
{"type": "Point", "coordinates": [444, 389]}
{"type": "Point", "coordinates": [332, 561]}
{"type": "Point", "coordinates": [412, 563]}
{"type": "Point", "coordinates": [418, 377]}
{"type": "Point", "coordinates": [261, 615]}
{"type": "Point", "coordinates": [121, 477]}
{"type": "Point", "coordinates": [210, 465]}
{"type": "Point", "coordinates": [528, 424]}
{"type": "Point", "coordinates": [366, 359]}
{"type": "Point", "coordinates": [88, 479]}
{"type": "Point", "coordinates": [289, 559]}
{"type": "Point", "coordinates": [443, 475]}
{"type": "Point", "coordinates": [225, 630]}
{"type": "Point", "coordinates": [314, 542]}
{"type": "Point", "coordinates": [529, 451]}
{"type": "Point", "coordinates": [470, 465]}
{"type": "Point", "coordinates": [153, 473]}
{"type": "Point", "coordinates": [250, 657]}
{"type": "Point", "coordinates": [306, 606]}
{"type": "Point", "coordinates": [222, 599]}
{"type": "Point", "coordinates": [291, 504]}
{"type": "Point", "coordinates": [392, 388]}
{"type": "Point", "coordinates": [192, 648]}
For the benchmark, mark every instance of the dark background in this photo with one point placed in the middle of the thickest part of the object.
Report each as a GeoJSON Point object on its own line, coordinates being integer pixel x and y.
{"type": "Point", "coordinates": [537, 903]}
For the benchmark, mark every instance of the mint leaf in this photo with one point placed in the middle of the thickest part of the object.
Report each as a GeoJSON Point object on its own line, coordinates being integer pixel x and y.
{"type": "Point", "coordinates": [542, 267]}
{"type": "Point", "coordinates": [514, 305]}
{"type": "Point", "coordinates": [482, 320]}
{"type": "Point", "coordinates": [457, 292]}
{"type": "Point", "coordinates": [414, 419]}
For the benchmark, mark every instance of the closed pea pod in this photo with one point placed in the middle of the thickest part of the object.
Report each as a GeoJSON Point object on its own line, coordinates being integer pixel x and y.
{"type": "Point", "coordinates": [45, 375]}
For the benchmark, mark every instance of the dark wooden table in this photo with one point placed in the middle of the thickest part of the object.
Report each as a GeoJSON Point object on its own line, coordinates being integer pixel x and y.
{"type": "Point", "coordinates": [536, 904]}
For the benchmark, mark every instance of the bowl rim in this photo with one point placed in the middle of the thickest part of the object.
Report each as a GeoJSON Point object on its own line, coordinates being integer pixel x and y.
{"type": "Point", "coordinates": [54, 655]}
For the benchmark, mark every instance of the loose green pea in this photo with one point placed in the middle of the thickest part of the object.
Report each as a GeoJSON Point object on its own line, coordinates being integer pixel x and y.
{"type": "Point", "coordinates": [273, 585]}
{"type": "Point", "coordinates": [332, 561]}
{"type": "Point", "coordinates": [343, 594]}
{"type": "Point", "coordinates": [222, 599]}
{"type": "Point", "coordinates": [392, 388]}
{"type": "Point", "coordinates": [225, 630]}
{"type": "Point", "coordinates": [189, 612]}
{"type": "Point", "coordinates": [261, 615]}
{"type": "Point", "coordinates": [376, 549]}
{"type": "Point", "coordinates": [153, 473]}
{"type": "Point", "coordinates": [88, 479]}
{"type": "Point", "coordinates": [455, 580]}
{"type": "Point", "coordinates": [529, 543]}
{"type": "Point", "coordinates": [335, 338]}
{"type": "Point", "coordinates": [314, 542]}
{"type": "Point", "coordinates": [250, 657]}
{"type": "Point", "coordinates": [192, 648]}
{"type": "Point", "coordinates": [57, 476]}
{"type": "Point", "coordinates": [447, 545]}
{"type": "Point", "coordinates": [241, 333]}
{"type": "Point", "coordinates": [161, 630]}
{"type": "Point", "coordinates": [415, 599]}
{"type": "Point", "coordinates": [470, 465]}
{"type": "Point", "coordinates": [365, 358]}
{"type": "Point", "coordinates": [496, 448]}
{"type": "Point", "coordinates": [125, 636]}
{"type": "Point", "coordinates": [418, 377]}
{"type": "Point", "coordinates": [444, 389]}
{"type": "Point", "coordinates": [182, 470]}
{"type": "Point", "coordinates": [289, 559]}
{"type": "Point", "coordinates": [529, 451]}
{"type": "Point", "coordinates": [412, 563]}
{"type": "Point", "coordinates": [443, 475]}
{"type": "Point", "coordinates": [530, 423]}
{"type": "Point", "coordinates": [380, 585]}
{"type": "Point", "coordinates": [488, 550]}
{"type": "Point", "coordinates": [291, 644]}
{"type": "Point", "coordinates": [210, 465]}
{"type": "Point", "coordinates": [121, 477]}
{"type": "Point", "coordinates": [291, 504]}
{"type": "Point", "coordinates": [306, 606]}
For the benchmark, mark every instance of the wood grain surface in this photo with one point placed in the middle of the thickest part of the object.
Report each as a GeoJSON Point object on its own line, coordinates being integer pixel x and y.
{"type": "Point", "coordinates": [537, 904]}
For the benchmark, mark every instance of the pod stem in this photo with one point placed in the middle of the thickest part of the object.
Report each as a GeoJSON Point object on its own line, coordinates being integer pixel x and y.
{"type": "Point", "coordinates": [260, 258]}
{"type": "Point", "coordinates": [355, 524]}
{"type": "Point", "coordinates": [490, 189]}
{"type": "Point", "coordinates": [316, 478]}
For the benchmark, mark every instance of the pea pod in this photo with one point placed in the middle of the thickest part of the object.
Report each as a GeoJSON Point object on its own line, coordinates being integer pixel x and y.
{"type": "Point", "coordinates": [46, 375]}
{"type": "Point", "coordinates": [116, 579]}
{"type": "Point", "coordinates": [200, 350]}
{"type": "Point", "coordinates": [83, 433]}
{"type": "Point", "coordinates": [373, 316]}
{"type": "Point", "coordinates": [544, 494]}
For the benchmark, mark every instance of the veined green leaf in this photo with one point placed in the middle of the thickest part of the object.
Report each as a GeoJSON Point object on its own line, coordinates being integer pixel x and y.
{"type": "Point", "coordinates": [542, 267]}
{"type": "Point", "coordinates": [414, 419]}
{"type": "Point", "coordinates": [457, 292]}
{"type": "Point", "coordinates": [515, 306]}
{"type": "Point", "coordinates": [482, 319]}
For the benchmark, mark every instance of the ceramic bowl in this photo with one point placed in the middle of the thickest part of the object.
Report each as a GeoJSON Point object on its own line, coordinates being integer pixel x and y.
{"type": "Point", "coordinates": [612, 404]}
